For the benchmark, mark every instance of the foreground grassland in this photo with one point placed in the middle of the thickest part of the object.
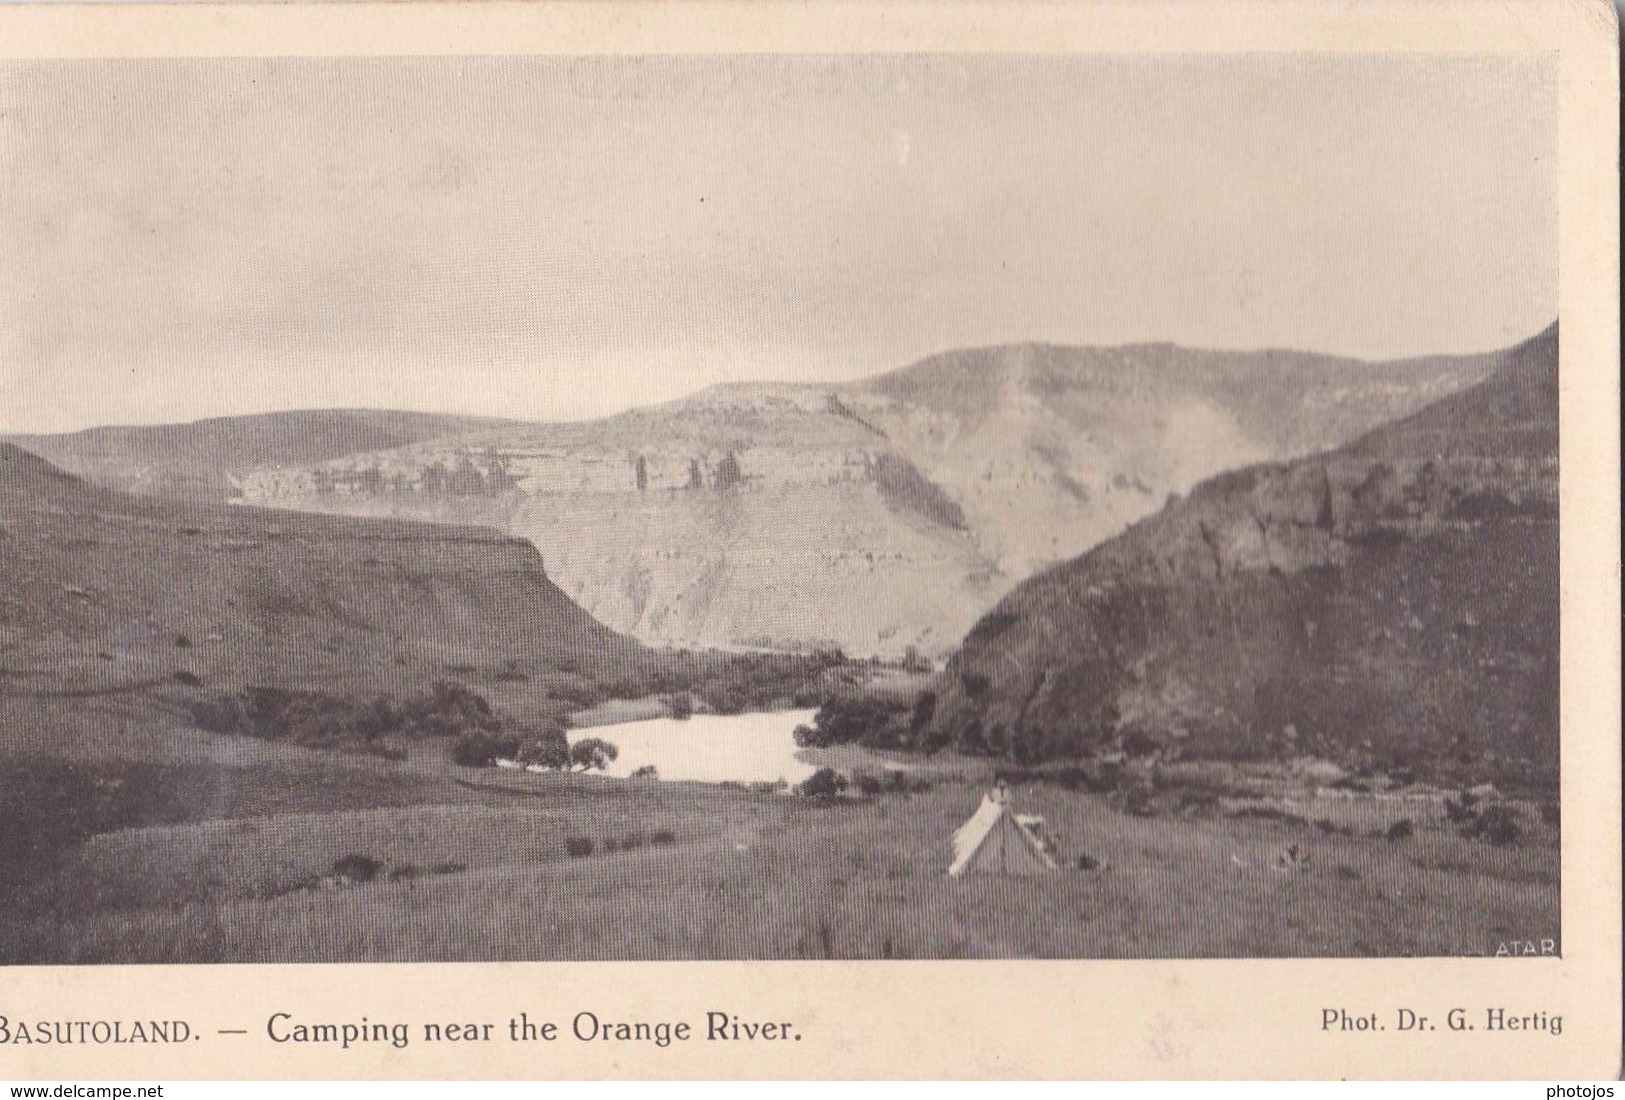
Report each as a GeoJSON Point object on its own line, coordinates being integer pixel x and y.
{"type": "Point", "coordinates": [232, 856]}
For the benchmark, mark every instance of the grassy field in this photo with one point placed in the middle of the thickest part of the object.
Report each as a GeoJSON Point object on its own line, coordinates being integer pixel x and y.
{"type": "Point", "coordinates": [230, 856]}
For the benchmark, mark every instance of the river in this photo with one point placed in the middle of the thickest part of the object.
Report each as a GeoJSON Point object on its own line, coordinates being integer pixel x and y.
{"type": "Point", "coordinates": [709, 748]}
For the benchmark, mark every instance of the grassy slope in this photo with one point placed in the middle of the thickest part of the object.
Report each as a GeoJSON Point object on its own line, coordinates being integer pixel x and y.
{"type": "Point", "coordinates": [105, 590]}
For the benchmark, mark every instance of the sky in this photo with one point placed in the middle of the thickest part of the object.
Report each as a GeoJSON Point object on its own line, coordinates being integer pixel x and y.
{"type": "Point", "coordinates": [558, 238]}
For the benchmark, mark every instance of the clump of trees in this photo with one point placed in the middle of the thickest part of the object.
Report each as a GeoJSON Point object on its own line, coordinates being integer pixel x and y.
{"type": "Point", "coordinates": [317, 719]}
{"type": "Point", "coordinates": [823, 785]}
{"type": "Point", "coordinates": [546, 751]}
{"type": "Point", "coordinates": [592, 754]}
{"type": "Point", "coordinates": [874, 721]}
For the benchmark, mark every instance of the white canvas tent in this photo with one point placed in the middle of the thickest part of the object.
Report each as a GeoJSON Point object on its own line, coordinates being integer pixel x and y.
{"type": "Point", "coordinates": [996, 841]}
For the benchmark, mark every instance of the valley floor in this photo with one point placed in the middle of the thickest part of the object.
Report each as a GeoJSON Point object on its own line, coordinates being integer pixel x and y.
{"type": "Point", "coordinates": [239, 852]}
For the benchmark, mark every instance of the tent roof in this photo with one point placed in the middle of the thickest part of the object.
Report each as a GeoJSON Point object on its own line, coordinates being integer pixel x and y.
{"type": "Point", "coordinates": [995, 840]}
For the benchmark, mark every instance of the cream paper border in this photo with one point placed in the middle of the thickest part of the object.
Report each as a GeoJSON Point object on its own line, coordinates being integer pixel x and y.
{"type": "Point", "coordinates": [1230, 1019]}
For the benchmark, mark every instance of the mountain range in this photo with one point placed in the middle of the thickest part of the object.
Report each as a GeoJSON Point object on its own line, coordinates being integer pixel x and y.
{"type": "Point", "coordinates": [876, 516]}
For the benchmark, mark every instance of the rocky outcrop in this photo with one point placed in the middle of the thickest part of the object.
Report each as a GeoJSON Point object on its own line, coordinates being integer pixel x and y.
{"type": "Point", "coordinates": [1394, 602]}
{"type": "Point", "coordinates": [202, 460]}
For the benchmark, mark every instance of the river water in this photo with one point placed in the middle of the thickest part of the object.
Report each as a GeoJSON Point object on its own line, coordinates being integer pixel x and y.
{"type": "Point", "coordinates": [709, 748]}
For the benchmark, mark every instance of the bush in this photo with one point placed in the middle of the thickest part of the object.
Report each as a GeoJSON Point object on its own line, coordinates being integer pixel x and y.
{"type": "Point", "coordinates": [1402, 829]}
{"type": "Point", "coordinates": [541, 753]}
{"type": "Point", "coordinates": [578, 847]}
{"type": "Point", "coordinates": [662, 836]}
{"type": "Point", "coordinates": [901, 782]}
{"type": "Point", "coordinates": [357, 868]}
{"type": "Point", "coordinates": [545, 745]}
{"type": "Point", "coordinates": [823, 784]}
{"type": "Point", "coordinates": [648, 771]}
{"type": "Point", "coordinates": [869, 785]}
{"type": "Point", "coordinates": [1463, 808]}
{"type": "Point", "coordinates": [726, 698]}
{"type": "Point", "coordinates": [1497, 824]}
{"type": "Point", "coordinates": [592, 753]}
{"type": "Point", "coordinates": [479, 749]}
{"type": "Point", "coordinates": [221, 714]}
{"type": "Point", "coordinates": [682, 706]}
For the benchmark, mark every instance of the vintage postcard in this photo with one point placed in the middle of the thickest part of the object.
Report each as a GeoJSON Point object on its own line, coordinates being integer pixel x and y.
{"type": "Point", "coordinates": [798, 541]}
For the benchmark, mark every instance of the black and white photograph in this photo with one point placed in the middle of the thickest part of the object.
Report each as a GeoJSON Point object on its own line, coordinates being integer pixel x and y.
{"type": "Point", "coordinates": [744, 506]}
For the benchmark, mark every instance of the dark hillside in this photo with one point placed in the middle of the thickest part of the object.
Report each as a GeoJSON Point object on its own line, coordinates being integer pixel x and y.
{"type": "Point", "coordinates": [1393, 604]}
{"type": "Point", "coordinates": [101, 591]}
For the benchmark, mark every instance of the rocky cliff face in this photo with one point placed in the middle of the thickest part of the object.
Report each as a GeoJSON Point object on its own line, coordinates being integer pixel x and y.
{"type": "Point", "coordinates": [1392, 602]}
{"type": "Point", "coordinates": [751, 516]}
{"type": "Point", "coordinates": [878, 516]}
{"type": "Point", "coordinates": [100, 589]}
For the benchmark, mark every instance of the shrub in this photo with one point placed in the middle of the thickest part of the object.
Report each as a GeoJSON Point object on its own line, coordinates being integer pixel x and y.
{"type": "Point", "coordinates": [1402, 829]}
{"type": "Point", "coordinates": [540, 753]}
{"type": "Point", "coordinates": [902, 782]}
{"type": "Point", "coordinates": [479, 749]}
{"type": "Point", "coordinates": [682, 706]}
{"type": "Point", "coordinates": [648, 771]}
{"type": "Point", "coordinates": [662, 836]}
{"type": "Point", "coordinates": [726, 698]}
{"type": "Point", "coordinates": [578, 847]}
{"type": "Point", "coordinates": [220, 714]}
{"type": "Point", "coordinates": [925, 708]}
{"type": "Point", "coordinates": [591, 753]}
{"type": "Point", "coordinates": [545, 745]}
{"type": "Point", "coordinates": [823, 784]}
{"type": "Point", "coordinates": [357, 868]}
{"type": "Point", "coordinates": [1497, 824]}
{"type": "Point", "coordinates": [870, 785]}
{"type": "Point", "coordinates": [1463, 808]}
